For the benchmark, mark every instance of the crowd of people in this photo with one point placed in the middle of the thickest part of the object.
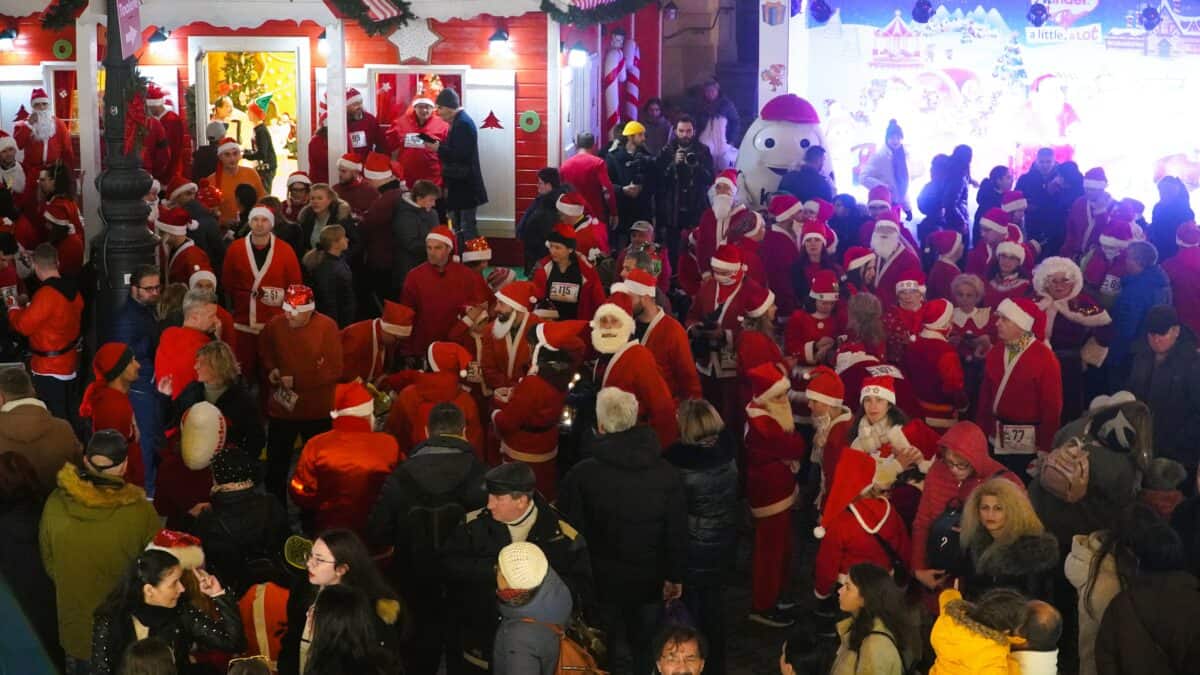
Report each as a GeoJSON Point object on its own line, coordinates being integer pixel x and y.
{"type": "Point", "coordinates": [325, 434]}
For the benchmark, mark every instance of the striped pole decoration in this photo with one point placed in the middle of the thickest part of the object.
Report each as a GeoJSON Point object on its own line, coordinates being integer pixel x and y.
{"type": "Point", "coordinates": [633, 72]}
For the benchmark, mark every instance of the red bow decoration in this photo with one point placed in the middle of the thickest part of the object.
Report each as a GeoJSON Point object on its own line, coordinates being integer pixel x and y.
{"type": "Point", "coordinates": [135, 122]}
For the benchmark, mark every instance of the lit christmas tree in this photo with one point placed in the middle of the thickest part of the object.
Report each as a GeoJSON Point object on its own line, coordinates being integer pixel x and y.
{"type": "Point", "coordinates": [241, 75]}
{"type": "Point", "coordinates": [1010, 66]}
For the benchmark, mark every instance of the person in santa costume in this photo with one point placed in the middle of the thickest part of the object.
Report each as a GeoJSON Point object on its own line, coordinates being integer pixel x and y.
{"type": "Point", "coordinates": [363, 132]}
{"type": "Point", "coordinates": [1183, 269]}
{"type": "Point", "coordinates": [747, 235]}
{"type": "Point", "coordinates": [301, 352]}
{"type": "Point", "coordinates": [477, 255]}
{"type": "Point", "coordinates": [902, 320]}
{"type": "Point", "coordinates": [299, 188]}
{"type": "Point", "coordinates": [855, 363]}
{"type": "Point", "coordinates": [566, 279]}
{"type": "Point", "coordinates": [376, 231]}
{"type": "Point", "coordinates": [156, 106]}
{"type": "Point", "coordinates": [506, 354]}
{"type": "Point", "coordinates": [175, 358]}
{"type": "Point", "coordinates": [12, 173]}
{"type": "Point", "coordinates": [1078, 329]}
{"type": "Point", "coordinates": [880, 207]}
{"type": "Point", "coordinates": [934, 366]}
{"type": "Point", "coordinates": [183, 193]}
{"type": "Point", "coordinates": [591, 237]}
{"type": "Point", "coordinates": [447, 369]}
{"type": "Point", "coordinates": [756, 343]}
{"type": "Point", "coordinates": [894, 261]}
{"type": "Point", "coordinates": [256, 271]}
{"type": "Point", "coordinates": [66, 235]}
{"type": "Point", "coordinates": [819, 246]}
{"type": "Point", "coordinates": [229, 174]}
{"type": "Point", "coordinates": [687, 267]}
{"type": "Point", "coordinates": [43, 140]}
{"type": "Point", "coordinates": [628, 365]}
{"type": "Point", "coordinates": [780, 251]}
{"type": "Point", "coordinates": [825, 394]}
{"type": "Point", "coordinates": [1021, 398]}
{"type": "Point", "coordinates": [472, 334]}
{"type": "Point", "coordinates": [178, 256]}
{"type": "Point", "coordinates": [352, 188]}
{"type": "Point", "coordinates": [1104, 264]}
{"type": "Point", "coordinates": [368, 347]}
{"type": "Point", "coordinates": [773, 456]}
{"type": "Point", "coordinates": [438, 289]}
{"type": "Point", "coordinates": [663, 335]}
{"type": "Point", "coordinates": [993, 228]}
{"type": "Point", "coordinates": [418, 162]}
{"type": "Point", "coordinates": [719, 219]}
{"type": "Point", "coordinates": [527, 424]}
{"type": "Point", "coordinates": [1007, 274]}
{"type": "Point", "coordinates": [1088, 215]}
{"type": "Point", "coordinates": [858, 276]}
{"type": "Point", "coordinates": [105, 402]}
{"type": "Point", "coordinates": [811, 332]}
{"type": "Point", "coordinates": [156, 149]}
{"type": "Point", "coordinates": [1013, 203]}
{"type": "Point", "coordinates": [947, 245]}
{"type": "Point", "coordinates": [858, 524]}
{"type": "Point", "coordinates": [341, 471]}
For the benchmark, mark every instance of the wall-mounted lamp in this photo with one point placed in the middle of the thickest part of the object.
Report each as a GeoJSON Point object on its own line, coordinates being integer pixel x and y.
{"type": "Point", "coordinates": [323, 44]}
{"type": "Point", "coordinates": [158, 40]}
{"type": "Point", "coordinates": [498, 44]}
{"type": "Point", "coordinates": [7, 37]}
{"type": "Point", "coordinates": [670, 11]}
{"type": "Point", "coordinates": [577, 57]}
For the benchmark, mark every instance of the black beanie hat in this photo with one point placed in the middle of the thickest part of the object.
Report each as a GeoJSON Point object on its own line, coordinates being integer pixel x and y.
{"type": "Point", "coordinates": [234, 466]}
{"type": "Point", "coordinates": [448, 98]}
{"type": "Point", "coordinates": [109, 444]}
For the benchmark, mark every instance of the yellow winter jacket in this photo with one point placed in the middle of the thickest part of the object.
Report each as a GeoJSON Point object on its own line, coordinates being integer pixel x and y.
{"type": "Point", "coordinates": [965, 647]}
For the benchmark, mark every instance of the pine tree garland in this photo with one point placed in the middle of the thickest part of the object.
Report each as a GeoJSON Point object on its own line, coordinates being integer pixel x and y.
{"type": "Point", "coordinates": [355, 9]}
{"type": "Point", "coordinates": [62, 14]}
{"type": "Point", "coordinates": [608, 12]}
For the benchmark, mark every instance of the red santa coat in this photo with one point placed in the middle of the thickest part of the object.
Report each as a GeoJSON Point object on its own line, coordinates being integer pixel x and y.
{"type": "Point", "coordinates": [257, 293]}
{"type": "Point", "coordinates": [588, 174]}
{"type": "Point", "coordinates": [711, 233]}
{"type": "Point", "coordinates": [779, 255]}
{"type": "Point", "coordinates": [591, 238]}
{"type": "Point", "coordinates": [51, 321]}
{"type": "Point", "coordinates": [528, 429]}
{"type": "Point", "coordinates": [827, 451]}
{"type": "Point", "coordinates": [890, 271]}
{"type": "Point", "coordinates": [418, 163]}
{"type": "Point", "coordinates": [364, 355]}
{"type": "Point", "coordinates": [178, 265]}
{"type": "Point", "coordinates": [340, 472]}
{"type": "Point", "coordinates": [770, 452]}
{"type": "Point", "coordinates": [37, 154]}
{"type": "Point", "coordinates": [754, 348]}
{"type": "Point", "coordinates": [360, 195]}
{"type": "Point", "coordinates": [70, 256]}
{"type": "Point", "coordinates": [859, 366]}
{"type": "Point", "coordinates": [1183, 269]}
{"type": "Point", "coordinates": [110, 409]}
{"type": "Point", "coordinates": [633, 369]}
{"type": "Point", "coordinates": [410, 411]}
{"type": "Point", "coordinates": [941, 274]}
{"type": "Point", "coordinates": [463, 334]}
{"type": "Point", "coordinates": [1103, 276]}
{"type": "Point", "coordinates": [438, 295]}
{"type": "Point", "coordinates": [803, 331]}
{"type": "Point", "coordinates": [728, 305]}
{"type": "Point", "coordinates": [667, 340]}
{"type": "Point", "coordinates": [979, 259]}
{"type": "Point", "coordinates": [689, 274]}
{"type": "Point", "coordinates": [506, 360]}
{"type": "Point", "coordinates": [173, 132]}
{"type": "Point", "coordinates": [311, 355]}
{"type": "Point", "coordinates": [156, 154]}
{"type": "Point", "coordinates": [1022, 392]}
{"type": "Point", "coordinates": [176, 357]}
{"type": "Point", "coordinates": [937, 379]}
{"type": "Point", "coordinates": [901, 326]}
{"type": "Point", "coordinates": [318, 156]}
{"type": "Point", "coordinates": [364, 135]}
{"type": "Point", "coordinates": [1000, 289]}
{"type": "Point", "coordinates": [850, 540]}
{"type": "Point", "coordinates": [1084, 225]}
{"type": "Point", "coordinates": [752, 260]}
{"type": "Point", "coordinates": [591, 294]}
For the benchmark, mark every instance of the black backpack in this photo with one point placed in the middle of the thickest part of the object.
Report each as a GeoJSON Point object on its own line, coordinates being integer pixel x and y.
{"type": "Point", "coordinates": [942, 550]}
{"type": "Point", "coordinates": [429, 522]}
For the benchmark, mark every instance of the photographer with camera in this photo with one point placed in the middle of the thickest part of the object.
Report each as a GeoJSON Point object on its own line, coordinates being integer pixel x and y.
{"type": "Point", "coordinates": [686, 169]}
{"type": "Point", "coordinates": [632, 170]}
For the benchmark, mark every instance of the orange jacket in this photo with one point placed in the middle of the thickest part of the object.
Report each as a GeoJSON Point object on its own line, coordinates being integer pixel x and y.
{"type": "Point", "coordinates": [51, 322]}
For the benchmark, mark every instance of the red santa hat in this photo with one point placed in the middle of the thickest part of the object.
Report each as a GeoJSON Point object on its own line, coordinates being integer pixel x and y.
{"type": "Point", "coordinates": [943, 242]}
{"type": "Point", "coordinates": [226, 144]}
{"type": "Point", "coordinates": [185, 547]}
{"type": "Point", "coordinates": [155, 95]}
{"type": "Point", "coordinates": [886, 222]}
{"type": "Point", "coordinates": [109, 362]}
{"type": "Point", "coordinates": [728, 178]}
{"type": "Point", "coordinates": [911, 280]}
{"type": "Point", "coordinates": [422, 100]}
{"type": "Point", "coordinates": [175, 220]}
{"type": "Point", "coordinates": [7, 142]}
{"type": "Point", "coordinates": [823, 286]}
{"type": "Point", "coordinates": [1130, 209]}
{"type": "Point", "coordinates": [767, 381]}
{"type": "Point", "coordinates": [350, 161]}
{"type": "Point", "coordinates": [397, 319]}
{"type": "Point", "coordinates": [520, 295]}
{"type": "Point", "coordinates": [880, 196]}
{"type": "Point", "coordinates": [262, 211]}
{"type": "Point", "coordinates": [853, 476]}
{"type": "Point", "coordinates": [639, 282]}
{"type": "Point", "coordinates": [209, 195]}
{"type": "Point", "coordinates": [477, 249]}
{"type": "Point", "coordinates": [856, 257]}
{"type": "Point", "coordinates": [202, 431]}
{"type": "Point", "coordinates": [825, 386]}
{"type": "Point", "coordinates": [880, 386]}
{"type": "Point", "coordinates": [996, 220]}
{"type": "Point", "coordinates": [749, 228]}
{"type": "Point", "coordinates": [561, 335]}
{"type": "Point", "coordinates": [619, 305]}
{"type": "Point", "coordinates": [821, 210]}
{"type": "Point", "coordinates": [442, 234]}
{"type": "Point", "coordinates": [1011, 248]}
{"type": "Point", "coordinates": [1095, 179]}
{"type": "Point", "coordinates": [937, 314]}
{"type": "Point", "coordinates": [790, 108]}
{"type": "Point", "coordinates": [353, 96]}
{"type": "Point", "coordinates": [298, 177]}
{"type": "Point", "coordinates": [448, 357]}
{"type": "Point", "coordinates": [571, 205]}
{"type": "Point", "coordinates": [377, 167]}
{"type": "Point", "coordinates": [352, 399]}
{"type": "Point", "coordinates": [562, 234]}
{"type": "Point", "coordinates": [759, 300]}
{"type": "Point", "coordinates": [1116, 234]}
{"type": "Point", "coordinates": [815, 229]}
{"type": "Point", "coordinates": [201, 274]}
{"type": "Point", "coordinates": [728, 259]}
{"type": "Point", "coordinates": [1025, 313]}
{"type": "Point", "coordinates": [784, 207]}
{"type": "Point", "coordinates": [64, 212]}
{"type": "Point", "coordinates": [1013, 200]}
{"type": "Point", "coordinates": [38, 96]}
{"type": "Point", "coordinates": [298, 298]}
{"type": "Point", "coordinates": [1187, 235]}
{"type": "Point", "coordinates": [179, 184]}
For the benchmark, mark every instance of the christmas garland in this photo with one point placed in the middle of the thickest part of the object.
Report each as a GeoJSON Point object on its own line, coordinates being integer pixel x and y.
{"type": "Point", "coordinates": [605, 13]}
{"type": "Point", "coordinates": [136, 121]}
{"type": "Point", "coordinates": [357, 10]}
{"type": "Point", "coordinates": [62, 14]}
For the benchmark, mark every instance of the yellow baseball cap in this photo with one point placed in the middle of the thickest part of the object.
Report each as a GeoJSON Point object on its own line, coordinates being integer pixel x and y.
{"type": "Point", "coordinates": [632, 128]}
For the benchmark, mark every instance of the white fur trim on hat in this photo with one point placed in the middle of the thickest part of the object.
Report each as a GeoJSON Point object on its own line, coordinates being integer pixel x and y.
{"type": "Point", "coordinates": [1113, 242]}
{"type": "Point", "coordinates": [378, 175]}
{"type": "Point", "coordinates": [225, 147]}
{"type": "Point", "coordinates": [756, 312]}
{"type": "Point", "coordinates": [881, 203]}
{"type": "Point", "coordinates": [7, 142]}
{"type": "Point", "coordinates": [1015, 205]}
{"type": "Point", "coordinates": [942, 322]}
{"type": "Point", "coordinates": [422, 100]}
{"type": "Point", "coordinates": [163, 227]}
{"type": "Point", "coordinates": [814, 235]}
{"type": "Point", "coordinates": [724, 265]}
{"type": "Point", "coordinates": [39, 99]}
{"type": "Point", "coordinates": [613, 310]}
{"type": "Point", "coordinates": [182, 188]}
{"type": "Point", "coordinates": [993, 225]}
{"type": "Point", "coordinates": [1094, 184]}
{"type": "Point", "coordinates": [826, 297]}
{"type": "Point", "coordinates": [293, 309]}
{"type": "Point", "coordinates": [887, 223]}
{"type": "Point", "coordinates": [778, 388]}
{"type": "Point", "coordinates": [298, 178]}
{"type": "Point", "coordinates": [189, 557]}
{"type": "Point", "coordinates": [395, 329]}
{"type": "Point", "coordinates": [878, 392]}
{"type": "Point", "coordinates": [823, 398]}
{"type": "Point", "coordinates": [437, 236]}
{"type": "Point", "coordinates": [1013, 312]}
{"type": "Point", "coordinates": [723, 180]}
{"type": "Point", "coordinates": [475, 256]}
{"type": "Point", "coordinates": [790, 212]}
{"type": "Point", "coordinates": [344, 163]}
{"type": "Point", "coordinates": [199, 275]}
{"type": "Point", "coordinates": [261, 211]}
{"type": "Point", "coordinates": [433, 364]}
{"type": "Point", "coordinates": [861, 261]}
{"type": "Point", "coordinates": [503, 297]}
{"type": "Point", "coordinates": [1011, 248]}
{"type": "Point", "coordinates": [356, 98]}
{"type": "Point", "coordinates": [364, 409]}
{"type": "Point", "coordinates": [635, 288]}
{"type": "Point", "coordinates": [909, 285]}
{"type": "Point", "coordinates": [573, 210]}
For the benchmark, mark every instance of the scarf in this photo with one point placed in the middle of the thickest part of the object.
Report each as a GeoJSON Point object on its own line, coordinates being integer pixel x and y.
{"type": "Point", "coordinates": [872, 437]}
{"type": "Point", "coordinates": [900, 173]}
{"type": "Point", "coordinates": [153, 617]}
{"type": "Point", "coordinates": [1013, 349]}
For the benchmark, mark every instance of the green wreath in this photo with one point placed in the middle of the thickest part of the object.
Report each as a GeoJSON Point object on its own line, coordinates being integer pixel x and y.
{"type": "Point", "coordinates": [608, 12]}
{"type": "Point", "coordinates": [62, 14]}
{"type": "Point", "coordinates": [357, 10]}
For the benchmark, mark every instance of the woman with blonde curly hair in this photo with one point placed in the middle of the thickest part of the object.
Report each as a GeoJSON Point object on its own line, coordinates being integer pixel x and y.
{"type": "Point", "coordinates": [1005, 544]}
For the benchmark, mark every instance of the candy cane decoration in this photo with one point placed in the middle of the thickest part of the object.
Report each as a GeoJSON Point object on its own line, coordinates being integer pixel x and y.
{"type": "Point", "coordinates": [614, 75]}
{"type": "Point", "coordinates": [633, 73]}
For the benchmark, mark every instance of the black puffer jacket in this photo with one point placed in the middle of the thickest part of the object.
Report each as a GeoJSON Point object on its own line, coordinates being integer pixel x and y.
{"type": "Point", "coordinates": [1028, 564]}
{"type": "Point", "coordinates": [630, 505]}
{"type": "Point", "coordinates": [1172, 390]}
{"type": "Point", "coordinates": [388, 625]}
{"type": "Point", "coordinates": [710, 480]}
{"type": "Point", "coordinates": [1152, 627]}
{"type": "Point", "coordinates": [180, 627]}
{"type": "Point", "coordinates": [243, 535]}
{"type": "Point", "coordinates": [332, 285]}
{"type": "Point", "coordinates": [410, 225]}
{"type": "Point", "coordinates": [244, 427]}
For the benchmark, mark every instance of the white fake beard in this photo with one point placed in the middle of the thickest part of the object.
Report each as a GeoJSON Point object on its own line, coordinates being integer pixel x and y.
{"type": "Point", "coordinates": [722, 205]}
{"type": "Point", "coordinates": [501, 328]}
{"type": "Point", "coordinates": [884, 245]}
{"type": "Point", "coordinates": [609, 341]}
{"type": "Point", "coordinates": [153, 217]}
{"type": "Point", "coordinates": [780, 410]}
{"type": "Point", "coordinates": [725, 279]}
{"type": "Point", "coordinates": [821, 426]}
{"type": "Point", "coordinates": [42, 125]}
{"type": "Point", "coordinates": [1110, 252]}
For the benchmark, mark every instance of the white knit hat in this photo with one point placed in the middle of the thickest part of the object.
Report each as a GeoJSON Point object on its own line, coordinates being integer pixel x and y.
{"type": "Point", "coordinates": [523, 565]}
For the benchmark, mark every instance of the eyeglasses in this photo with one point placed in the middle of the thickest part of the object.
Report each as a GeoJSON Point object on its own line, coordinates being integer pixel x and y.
{"type": "Point", "coordinates": [147, 289]}
{"type": "Point", "coordinates": [309, 557]}
{"type": "Point", "coordinates": [957, 466]}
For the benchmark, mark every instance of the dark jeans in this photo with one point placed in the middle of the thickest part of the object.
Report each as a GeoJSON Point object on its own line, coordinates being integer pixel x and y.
{"type": "Point", "coordinates": [77, 667]}
{"type": "Point", "coordinates": [281, 440]}
{"type": "Point", "coordinates": [706, 604]}
{"type": "Point", "coordinates": [58, 395]}
{"type": "Point", "coordinates": [465, 225]}
{"type": "Point", "coordinates": [147, 411]}
{"type": "Point", "coordinates": [431, 637]}
{"type": "Point", "coordinates": [636, 623]}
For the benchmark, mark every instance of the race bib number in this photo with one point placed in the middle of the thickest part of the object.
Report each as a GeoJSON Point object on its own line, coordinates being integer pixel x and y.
{"type": "Point", "coordinates": [563, 291]}
{"type": "Point", "coordinates": [1111, 285]}
{"type": "Point", "coordinates": [286, 398]}
{"type": "Point", "coordinates": [271, 296]}
{"type": "Point", "coordinates": [8, 294]}
{"type": "Point", "coordinates": [1017, 439]}
{"type": "Point", "coordinates": [358, 139]}
{"type": "Point", "coordinates": [413, 141]}
{"type": "Point", "coordinates": [474, 372]}
{"type": "Point", "coordinates": [884, 369]}
{"type": "Point", "coordinates": [728, 359]}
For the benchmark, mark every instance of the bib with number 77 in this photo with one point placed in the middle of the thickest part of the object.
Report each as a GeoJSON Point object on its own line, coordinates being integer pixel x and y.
{"type": "Point", "coordinates": [1017, 439]}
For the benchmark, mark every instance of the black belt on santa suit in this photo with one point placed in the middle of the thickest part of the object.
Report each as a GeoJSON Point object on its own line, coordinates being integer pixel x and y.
{"type": "Point", "coordinates": [74, 346]}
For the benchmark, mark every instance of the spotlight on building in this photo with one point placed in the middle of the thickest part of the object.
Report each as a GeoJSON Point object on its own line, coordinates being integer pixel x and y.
{"type": "Point", "coordinates": [1149, 18]}
{"type": "Point", "coordinates": [1037, 14]}
{"type": "Point", "coordinates": [922, 11]}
